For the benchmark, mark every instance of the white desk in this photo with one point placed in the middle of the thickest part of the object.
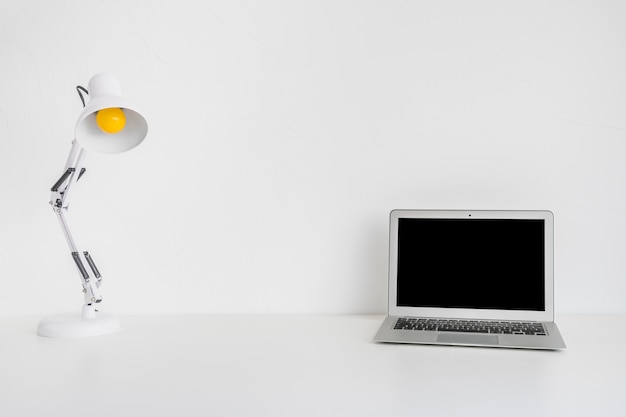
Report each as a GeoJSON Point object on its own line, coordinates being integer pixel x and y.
{"type": "Point", "coordinates": [302, 366]}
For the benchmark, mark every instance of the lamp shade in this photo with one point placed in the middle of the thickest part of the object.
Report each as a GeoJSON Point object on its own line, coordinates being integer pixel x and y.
{"type": "Point", "coordinates": [105, 93]}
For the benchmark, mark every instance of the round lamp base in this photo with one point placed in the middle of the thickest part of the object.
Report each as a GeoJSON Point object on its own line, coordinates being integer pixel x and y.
{"type": "Point", "coordinates": [76, 325]}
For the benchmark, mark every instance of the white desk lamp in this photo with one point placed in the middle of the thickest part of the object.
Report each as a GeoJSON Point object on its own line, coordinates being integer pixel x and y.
{"type": "Point", "coordinates": [108, 124]}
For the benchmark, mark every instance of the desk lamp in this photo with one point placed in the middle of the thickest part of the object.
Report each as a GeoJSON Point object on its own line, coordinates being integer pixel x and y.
{"type": "Point", "coordinates": [108, 124]}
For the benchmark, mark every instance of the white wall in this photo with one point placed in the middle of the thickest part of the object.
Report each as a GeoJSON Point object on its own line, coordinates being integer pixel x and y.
{"type": "Point", "coordinates": [282, 134]}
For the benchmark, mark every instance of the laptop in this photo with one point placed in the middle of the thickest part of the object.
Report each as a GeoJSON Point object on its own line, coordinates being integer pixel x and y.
{"type": "Point", "coordinates": [471, 278]}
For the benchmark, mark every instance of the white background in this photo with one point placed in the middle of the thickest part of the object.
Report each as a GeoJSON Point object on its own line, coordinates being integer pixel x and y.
{"type": "Point", "coordinates": [281, 134]}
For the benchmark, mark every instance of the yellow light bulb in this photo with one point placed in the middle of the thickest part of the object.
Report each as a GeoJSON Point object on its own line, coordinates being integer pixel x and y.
{"type": "Point", "coordinates": [111, 120]}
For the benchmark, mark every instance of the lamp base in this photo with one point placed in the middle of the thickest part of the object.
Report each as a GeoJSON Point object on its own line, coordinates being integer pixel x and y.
{"type": "Point", "coordinates": [89, 323]}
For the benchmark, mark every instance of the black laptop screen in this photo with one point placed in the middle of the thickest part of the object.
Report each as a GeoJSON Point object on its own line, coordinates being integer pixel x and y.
{"type": "Point", "coordinates": [471, 263]}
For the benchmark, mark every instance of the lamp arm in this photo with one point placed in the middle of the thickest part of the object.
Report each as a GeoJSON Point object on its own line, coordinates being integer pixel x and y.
{"type": "Point", "coordinates": [59, 201]}
{"type": "Point", "coordinates": [60, 189]}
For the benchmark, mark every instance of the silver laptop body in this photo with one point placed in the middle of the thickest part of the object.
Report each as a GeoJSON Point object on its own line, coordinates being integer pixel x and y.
{"type": "Point", "coordinates": [471, 278]}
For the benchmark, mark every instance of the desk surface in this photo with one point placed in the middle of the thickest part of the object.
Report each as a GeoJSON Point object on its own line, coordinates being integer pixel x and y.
{"type": "Point", "coordinates": [303, 366]}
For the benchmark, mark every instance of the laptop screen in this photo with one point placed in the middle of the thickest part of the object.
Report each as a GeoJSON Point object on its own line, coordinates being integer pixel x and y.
{"type": "Point", "coordinates": [471, 263]}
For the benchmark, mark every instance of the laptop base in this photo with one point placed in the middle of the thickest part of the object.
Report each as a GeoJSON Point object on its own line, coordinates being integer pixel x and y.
{"type": "Point", "coordinates": [552, 340]}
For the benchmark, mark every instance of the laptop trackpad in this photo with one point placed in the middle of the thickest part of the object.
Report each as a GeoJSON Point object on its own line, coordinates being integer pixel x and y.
{"type": "Point", "coordinates": [468, 339]}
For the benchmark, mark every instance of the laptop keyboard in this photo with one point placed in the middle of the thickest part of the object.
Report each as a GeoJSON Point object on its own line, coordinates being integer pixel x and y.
{"type": "Point", "coordinates": [471, 326]}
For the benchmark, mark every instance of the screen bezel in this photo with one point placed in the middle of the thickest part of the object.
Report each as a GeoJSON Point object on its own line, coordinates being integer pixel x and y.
{"type": "Point", "coordinates": [461, 313]}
